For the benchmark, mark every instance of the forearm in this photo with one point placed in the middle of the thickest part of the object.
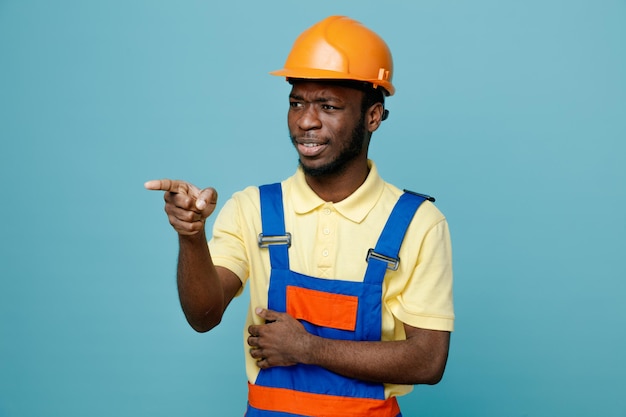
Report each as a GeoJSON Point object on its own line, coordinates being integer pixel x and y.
{"type": "Point", "coordinates": [399, 362]}
{"type": "Point", "coordinates": [418, 359]}
{"type": "Point", "coordinates": [199, 287]}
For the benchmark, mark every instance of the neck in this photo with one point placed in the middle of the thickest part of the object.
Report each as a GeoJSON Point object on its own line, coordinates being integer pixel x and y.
{"type": "Point", "coordinates": [337, 187]}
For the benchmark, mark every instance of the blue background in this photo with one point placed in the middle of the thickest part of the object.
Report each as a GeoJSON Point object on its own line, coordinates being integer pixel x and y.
{"type": "Point", "coordinates": [513, 114]}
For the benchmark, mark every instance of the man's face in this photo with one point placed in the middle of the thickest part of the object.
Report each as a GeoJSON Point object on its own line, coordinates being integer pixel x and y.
{"type": "Point", "coordinates": [327, 127]}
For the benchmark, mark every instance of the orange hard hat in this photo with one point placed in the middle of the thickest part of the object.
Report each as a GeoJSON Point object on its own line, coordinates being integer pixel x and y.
{"type": "Point", "coordinates": [340, 48]}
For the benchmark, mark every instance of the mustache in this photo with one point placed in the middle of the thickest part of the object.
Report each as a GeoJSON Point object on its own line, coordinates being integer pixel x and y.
{"type": "Point", "coordinates": [308, 138]}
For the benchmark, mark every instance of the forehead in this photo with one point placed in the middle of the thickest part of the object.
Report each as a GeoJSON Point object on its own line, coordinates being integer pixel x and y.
{"type": "Point", "coordinates": [321, 90]}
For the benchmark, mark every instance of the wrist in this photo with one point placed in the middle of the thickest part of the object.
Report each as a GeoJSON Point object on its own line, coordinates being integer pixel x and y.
{"type": "Point", "coordinates": [193, 239]}
{"type": "Point", "coordinates": [312, 346]}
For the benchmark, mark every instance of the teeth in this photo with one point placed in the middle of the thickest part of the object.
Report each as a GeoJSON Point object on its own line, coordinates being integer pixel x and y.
{"type": "Point", "coordinates": [310, 145]}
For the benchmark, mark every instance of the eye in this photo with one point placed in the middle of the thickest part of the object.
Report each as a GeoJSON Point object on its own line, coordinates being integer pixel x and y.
{"type": "Point", "coordinates": [329, 107]}
{"type": "Point", "coordinates": [295, 104]}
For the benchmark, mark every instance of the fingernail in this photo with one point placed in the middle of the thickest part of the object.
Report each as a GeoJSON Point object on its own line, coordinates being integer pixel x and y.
{"type": "Point", "coordinates": [258, 310]}
{"type": "Point", "coordinates": [200, 204]}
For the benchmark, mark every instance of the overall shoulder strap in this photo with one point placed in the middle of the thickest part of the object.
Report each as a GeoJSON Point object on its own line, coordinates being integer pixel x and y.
{"type": "Point", "coordinates": [385, 255]}
{"type": "Point", "coordinates": [273, 235]}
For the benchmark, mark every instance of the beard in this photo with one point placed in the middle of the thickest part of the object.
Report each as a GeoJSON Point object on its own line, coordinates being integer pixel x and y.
{"type": "Point", "coordinates": [348, 154]}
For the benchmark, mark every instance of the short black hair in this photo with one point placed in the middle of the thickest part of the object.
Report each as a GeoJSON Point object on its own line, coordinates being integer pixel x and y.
{"type": "Point", "coordinates": [372, 96]}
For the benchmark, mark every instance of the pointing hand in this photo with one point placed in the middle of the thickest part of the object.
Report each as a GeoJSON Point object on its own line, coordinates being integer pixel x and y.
{"type": "Point", "coordinates": [186, 205]}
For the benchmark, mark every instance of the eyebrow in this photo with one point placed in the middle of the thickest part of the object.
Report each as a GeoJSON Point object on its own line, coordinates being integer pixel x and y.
{"type": "Point", "coordinates": [317, 100]}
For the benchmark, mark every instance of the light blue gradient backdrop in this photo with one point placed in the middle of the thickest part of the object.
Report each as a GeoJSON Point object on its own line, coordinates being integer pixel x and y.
{"type": "Point", "coordinates": [512, 113]}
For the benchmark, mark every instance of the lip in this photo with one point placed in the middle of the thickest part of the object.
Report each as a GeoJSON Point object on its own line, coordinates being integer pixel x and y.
{"type": "Point", "coordinates": [309, 147]}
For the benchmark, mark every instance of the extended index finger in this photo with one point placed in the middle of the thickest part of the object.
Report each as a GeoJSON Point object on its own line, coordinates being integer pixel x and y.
{"type": "Point", "coordinates": [174, 186]}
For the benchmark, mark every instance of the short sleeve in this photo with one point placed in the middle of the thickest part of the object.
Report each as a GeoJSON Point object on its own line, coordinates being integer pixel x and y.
{"type": "Point", "coordinates": [426, 301]}
{"type": "Point", "coordinates": [227, 244]}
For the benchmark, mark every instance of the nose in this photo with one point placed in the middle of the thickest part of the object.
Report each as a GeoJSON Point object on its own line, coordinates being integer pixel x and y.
{"type": "Point", "coordinates": [308, 118]}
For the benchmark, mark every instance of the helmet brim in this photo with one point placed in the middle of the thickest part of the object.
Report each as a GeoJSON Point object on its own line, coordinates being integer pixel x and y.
{"type": "Point", "coordinates": [320, 74]}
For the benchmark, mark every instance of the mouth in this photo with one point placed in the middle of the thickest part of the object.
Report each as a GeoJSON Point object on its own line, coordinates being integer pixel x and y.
{"type": "Point", "coordinates": [310, 148]}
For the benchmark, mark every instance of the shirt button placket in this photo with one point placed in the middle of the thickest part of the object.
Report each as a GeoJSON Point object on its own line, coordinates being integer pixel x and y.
{"type": "Point", "coordinates": [326, 239]}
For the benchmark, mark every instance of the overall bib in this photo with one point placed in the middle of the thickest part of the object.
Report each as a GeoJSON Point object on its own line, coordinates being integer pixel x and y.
{"type": "Point", "coordinates": [333, 309]}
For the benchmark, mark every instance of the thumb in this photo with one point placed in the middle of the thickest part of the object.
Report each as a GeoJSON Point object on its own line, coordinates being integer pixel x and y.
{"type": "Point", "coordinates": [206, 200]}
{"type": "Point", "coordinates": [268, 315]}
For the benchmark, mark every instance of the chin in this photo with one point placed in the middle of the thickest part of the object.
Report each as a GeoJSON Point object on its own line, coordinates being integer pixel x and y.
{"type": "Point", "coordinates": [332, 168]}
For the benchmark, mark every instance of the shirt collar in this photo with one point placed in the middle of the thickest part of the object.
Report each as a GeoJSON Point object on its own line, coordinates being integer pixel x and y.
{"type": "Point", "coordinates": [355, 207]}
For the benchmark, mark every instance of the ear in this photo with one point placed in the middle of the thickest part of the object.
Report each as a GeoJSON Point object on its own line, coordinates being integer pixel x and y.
{"type": "Point", "coordinates": [374, 116]}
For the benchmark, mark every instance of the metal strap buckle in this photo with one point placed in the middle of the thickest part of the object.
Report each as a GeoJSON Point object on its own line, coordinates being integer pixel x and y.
{"type": "Point", "coordinates": [392, 263]}
{"type": "Point", "coordinates": [265, 241]}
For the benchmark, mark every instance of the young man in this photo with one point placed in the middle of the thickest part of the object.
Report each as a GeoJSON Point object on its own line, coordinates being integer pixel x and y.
{"type": "Point", "coordinates": [350, 278]}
